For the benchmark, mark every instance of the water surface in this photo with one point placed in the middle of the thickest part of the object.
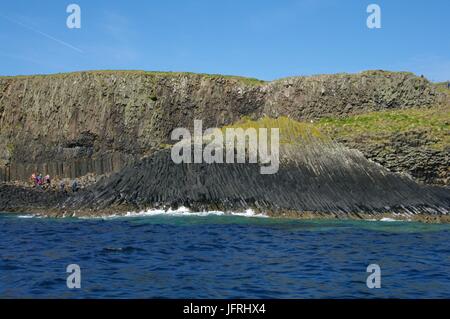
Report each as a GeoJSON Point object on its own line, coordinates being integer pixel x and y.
{"type": "Point", "coordinates": [221, 257]}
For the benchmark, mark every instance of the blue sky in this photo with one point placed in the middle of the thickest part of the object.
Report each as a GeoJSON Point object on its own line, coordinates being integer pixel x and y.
{"type": "Point", "coordinates": [256, 38]}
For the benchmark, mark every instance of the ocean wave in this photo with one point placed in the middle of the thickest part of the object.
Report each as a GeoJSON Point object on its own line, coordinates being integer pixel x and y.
{"type": "Point", "coordinates": [179, 212]}
{"type": "Point", "coordinates": [387, 219]}
{"type": "Point", "coordinates": [29, 216]}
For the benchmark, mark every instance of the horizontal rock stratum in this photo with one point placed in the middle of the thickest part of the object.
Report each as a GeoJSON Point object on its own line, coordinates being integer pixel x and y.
{"type": "Point", "coordinates": [120, 121]}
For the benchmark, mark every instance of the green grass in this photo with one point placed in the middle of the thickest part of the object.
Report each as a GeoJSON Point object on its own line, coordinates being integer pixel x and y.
{"type": "Point", "coordinates": [241, 79]}
{"type": "Point", "coordinates": [443, 88]}
{"type": "Point", "coordinates": [434, 121]}
{"type": "Point", "coordinates": [373, 127]}
{"type": "Point", "coordinates": [291, 131]}
{"type": "Point", "coordinates": [368, 73]}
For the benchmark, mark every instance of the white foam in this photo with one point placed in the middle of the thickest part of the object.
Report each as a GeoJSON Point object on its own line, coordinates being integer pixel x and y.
{"type": "Point", "coordinates": [249, 213]}
{"type": "Point", "coordinates": [181, 211]}
{"type": "Point", "coordinates": [26, 216]}
{"type": "Point", "coordinates": [386, 219]}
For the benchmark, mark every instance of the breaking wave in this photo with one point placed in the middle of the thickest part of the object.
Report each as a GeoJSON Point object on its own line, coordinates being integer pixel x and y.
{"type": "Point", "coordinates": [180, 212]}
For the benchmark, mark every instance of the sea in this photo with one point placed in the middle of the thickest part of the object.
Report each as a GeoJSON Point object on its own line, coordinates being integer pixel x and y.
{"type": "Point", "coordinates": [179, 254]}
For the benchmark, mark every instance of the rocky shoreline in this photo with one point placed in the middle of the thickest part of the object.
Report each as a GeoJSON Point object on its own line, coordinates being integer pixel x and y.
{"type": "Point", "coordinates": [347, 186]}
{"type": "Point", "coordinates": [117, 125]}
{"type": "Point", "coordinates": [44, 209]}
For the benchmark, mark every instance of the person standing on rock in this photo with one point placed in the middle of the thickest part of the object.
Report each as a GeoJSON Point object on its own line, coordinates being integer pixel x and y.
{"type": "Point", "coordinates": [62, 186]}
{"type": "Point", "coordinates": [74, 186]}
{"type": "Point", "coordinates": [39, 180]}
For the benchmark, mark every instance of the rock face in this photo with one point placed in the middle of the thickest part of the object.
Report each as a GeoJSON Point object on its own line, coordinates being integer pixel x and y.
{"type": "Point", "coordinates": [408, 153]}
{"type": "Point", "coordinates": [316, 176]}
{"type": "Point", "coordinates": [73, 124]}
{"type": "Point", "coordinates": [15, 198]}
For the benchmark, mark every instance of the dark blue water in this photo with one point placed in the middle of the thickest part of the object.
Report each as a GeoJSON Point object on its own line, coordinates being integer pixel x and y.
{"type": "Point", "coordinates": [222, 257]}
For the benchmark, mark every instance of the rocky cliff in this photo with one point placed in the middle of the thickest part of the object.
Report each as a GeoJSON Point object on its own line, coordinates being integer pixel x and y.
{"type": "Point", "coordinates": [333, 128]}
{"type": "Point", "coordinates": [72, 124]}
{"type": "Point", "coordinates": [316, 176]}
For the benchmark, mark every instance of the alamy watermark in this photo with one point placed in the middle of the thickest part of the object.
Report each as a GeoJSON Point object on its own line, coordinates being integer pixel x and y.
{"type": "Point", "coordinates": [374, 19]}
{"type": "Point", "coordinates": [374, 279]}
{"type": "Point", "coordinates": [74, 279]}
{"type": "Point", "coordinates": [74, 19]}
{"type": "Point", "coordinates": [239, 144]}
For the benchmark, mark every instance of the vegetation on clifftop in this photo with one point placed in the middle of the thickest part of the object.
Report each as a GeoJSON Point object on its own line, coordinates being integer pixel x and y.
{"type": "Point", "coordinates": [414, 141]}
{"type": "Point", "coordinates": [375, 126]}
{"type": "Point", "coordinates": [242, 79]}
{"type": "Point", "coordinates": [291, 131]}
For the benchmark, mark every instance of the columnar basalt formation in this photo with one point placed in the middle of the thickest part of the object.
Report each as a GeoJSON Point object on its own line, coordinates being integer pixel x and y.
{"type": "Point", "coordinates": [118, 124]}
{"type": "Point", "coordinates": [314, 176]}
{"type": "Point", "coordinates": [72, 124]}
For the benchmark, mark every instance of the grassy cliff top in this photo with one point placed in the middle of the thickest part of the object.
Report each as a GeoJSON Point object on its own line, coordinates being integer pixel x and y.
{"type": "Point", "coordinates": [242, 79]}
{"type": "Point", "coordinates": [291, 131]}
{"type": "Point", "coordinates": [376, 126]}
{"type": "Point", "coordinates": [434, 122]}
{"type": "Point", "coordinates": [373, 126]}
{"type": "Point", "coordinates": [245, 80]}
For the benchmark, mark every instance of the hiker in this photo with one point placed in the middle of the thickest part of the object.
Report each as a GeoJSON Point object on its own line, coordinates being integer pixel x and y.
{"type": "Point", "coordinates": [33, 179]}
{"type": "Point", "coordinates": [74, 186]}
{"type": "Point", "coordinates": [62, 186]}
{"type": "Point", "coordinates": [47, 180]}
{"type": "Point", "coordinates": [39, 180]}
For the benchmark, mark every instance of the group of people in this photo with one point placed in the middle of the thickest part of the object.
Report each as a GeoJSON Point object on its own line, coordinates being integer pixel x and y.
{"type": "Point", "coordinates": [40, 181]}
{"type": "Point", "coordinates": [74, 186]}
{"type": "Point", "coordinates": [46, 182]}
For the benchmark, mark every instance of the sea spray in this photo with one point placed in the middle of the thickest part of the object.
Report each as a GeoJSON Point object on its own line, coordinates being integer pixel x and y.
{"type": "Point", "coordinates": [178, 212]}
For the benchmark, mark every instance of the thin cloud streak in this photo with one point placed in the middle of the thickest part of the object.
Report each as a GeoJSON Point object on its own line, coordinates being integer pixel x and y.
{"type": "Point", "coordinates": [48, 36]}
